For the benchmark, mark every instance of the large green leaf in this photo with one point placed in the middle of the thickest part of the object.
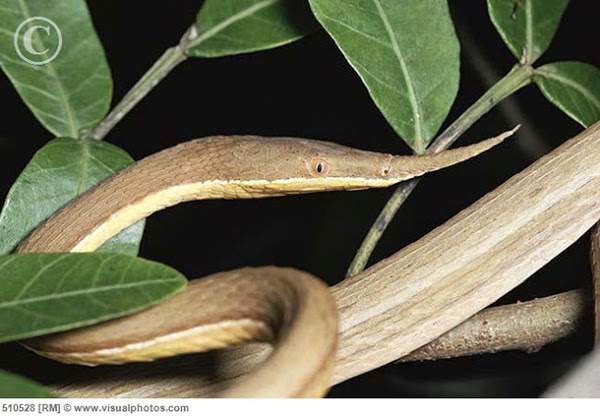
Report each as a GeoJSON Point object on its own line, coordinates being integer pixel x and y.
{"type": "Point", "coordinates": [527, 26]}
{"type": "Point", "coordinates": [60, 171]}
{"type": "Point", "coordinates": [407, 54]}
{"type": "Point", "coordinates": [50, 292]}
{"type": "Point", "coordinates": [574, 87]}
{"type": "Point", "coordinates": [72, 93]}
{"type": "Point", "coordinates": [228, 27]}
{"type": "Point", "coordinates": [15, 386]}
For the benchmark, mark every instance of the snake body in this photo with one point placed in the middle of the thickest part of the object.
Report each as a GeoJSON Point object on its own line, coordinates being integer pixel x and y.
{"type": "Point", "coordinates": [268, 304]}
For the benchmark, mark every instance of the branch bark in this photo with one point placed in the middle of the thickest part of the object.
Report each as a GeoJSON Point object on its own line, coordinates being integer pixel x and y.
{"type": "Point", "coordinates": [527, 326]}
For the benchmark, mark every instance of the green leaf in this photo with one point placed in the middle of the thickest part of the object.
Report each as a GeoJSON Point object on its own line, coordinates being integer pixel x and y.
{"type": "Point", "coordinates": [70, 94]}
{"type": "Point", "coordinates": [229, 27]}
{"type": "Point", "coordinates": [527, 26]}
{"type": "Point", "coordinates": [60, 171]}
{"type": "Point", "coordinates": [574, 87]}
{"type": "Point", "coordinates": [50, 292]}
{"type": "Point", "coordinates": [16, 386]}
{"type": "Point", "coordinates": [407, 54]}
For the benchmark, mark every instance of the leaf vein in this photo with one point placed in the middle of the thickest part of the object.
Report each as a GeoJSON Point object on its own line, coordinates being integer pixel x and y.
{"type": "Point", "coordinates": [409, 82]}
{"type": "Point", "coordinates": [584, 92]}
{"type": "Point", "coordinates": [88, 291]}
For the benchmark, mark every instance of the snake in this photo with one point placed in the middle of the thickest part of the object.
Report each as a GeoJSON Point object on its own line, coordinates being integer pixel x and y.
{"type": "Point", "coordinates": [289, 308]}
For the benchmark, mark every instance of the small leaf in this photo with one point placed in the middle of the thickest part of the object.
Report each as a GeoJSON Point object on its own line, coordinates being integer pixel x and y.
{"type": "Point", "coordinates": [527, 26]}
{"type": "Point", "coordinates": [71, 93]}
{"type": "Point", "coordinates": [229, 27]}
{"type": "Point", "coordinates": [574, 87]}
{"type": "Point", "coordinates": [407, 54]}
{"type": "Point", "coordinates": [60, 171]}
{"type": "Point", "coordinates": [16, 386]}
{"type": "Point", "coordinates": [49, 292]}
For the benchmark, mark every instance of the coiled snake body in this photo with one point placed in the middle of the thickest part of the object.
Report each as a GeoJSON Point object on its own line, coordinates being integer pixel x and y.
{"type": "Point", "coordinates": [251, 304]}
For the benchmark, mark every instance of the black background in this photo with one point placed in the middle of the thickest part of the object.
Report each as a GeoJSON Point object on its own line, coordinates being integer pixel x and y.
{"type": "Point", "coordinates": [307, 89]}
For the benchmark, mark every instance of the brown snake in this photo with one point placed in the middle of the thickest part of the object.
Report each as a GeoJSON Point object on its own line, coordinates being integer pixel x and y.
{"type": "Point", "coordinates": [250, 304]}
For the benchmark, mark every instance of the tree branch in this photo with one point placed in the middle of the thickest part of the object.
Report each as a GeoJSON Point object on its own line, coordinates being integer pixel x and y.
{"type": "Point", "coordinates": [527, 326]}
{"type": "Point", "coordinates": [171, 58]}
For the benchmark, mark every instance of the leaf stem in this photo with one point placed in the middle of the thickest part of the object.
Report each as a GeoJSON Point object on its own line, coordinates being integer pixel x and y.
{"type": "Point", "coordinates": [518, 77]}
{"type": "Point", "coordinates": [161, 68]}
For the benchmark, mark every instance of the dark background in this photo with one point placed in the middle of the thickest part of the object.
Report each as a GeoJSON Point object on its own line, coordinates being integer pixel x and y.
{"type": "Point", "coordinates": [307, 89]}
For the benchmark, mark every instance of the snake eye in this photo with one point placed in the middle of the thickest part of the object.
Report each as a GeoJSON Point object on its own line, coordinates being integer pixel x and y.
{"type": "Point", "coordinates": [319, 167]}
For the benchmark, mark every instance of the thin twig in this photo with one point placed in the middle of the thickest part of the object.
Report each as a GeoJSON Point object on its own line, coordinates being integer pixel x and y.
{"type": "Point", "coordinates": [531, 142]}
{"type": "Point", "coordinates": [517, 78]}
{"type": "Point", "coordinates": [171, 58]}
{"type": "Point", "coordinates": [527, 326]}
